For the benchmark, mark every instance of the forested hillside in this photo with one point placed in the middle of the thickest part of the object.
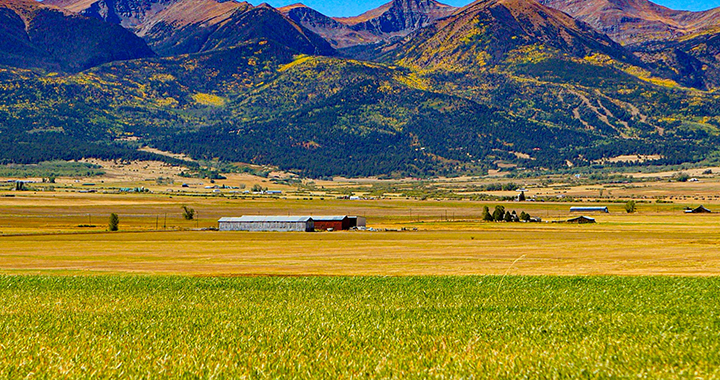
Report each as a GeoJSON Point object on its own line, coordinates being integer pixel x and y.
{"type": "Point", "coordinates": [499, 83]}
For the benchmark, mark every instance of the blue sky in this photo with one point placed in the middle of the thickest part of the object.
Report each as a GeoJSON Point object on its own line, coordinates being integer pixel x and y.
{"type": "Point", "coordinates": [354, 8]}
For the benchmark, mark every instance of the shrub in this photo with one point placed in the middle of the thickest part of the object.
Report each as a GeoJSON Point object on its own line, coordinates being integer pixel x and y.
{"type": "Point", "coordinates": [114, 222]}
{"type": "Point", "coordinates": [188, 213]}
{"type": "Point", "coordinates": [630, 206]}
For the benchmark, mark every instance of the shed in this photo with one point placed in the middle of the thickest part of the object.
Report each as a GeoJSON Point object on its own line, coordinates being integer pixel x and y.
{"type": "Point", "coordinates": [698, 210]}
{"type": "Point", "coordinates": [581, 220]}
{"type": "Point", "coordinates": [589, 209]}
{"type": "Point", "coordinates": [335, 222]}
{"type": "Point", "coordinates": [357, 221]}
{"type": "Point", "coordinates": [267, 223]}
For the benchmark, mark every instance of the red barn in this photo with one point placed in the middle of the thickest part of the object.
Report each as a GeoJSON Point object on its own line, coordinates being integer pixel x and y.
{"type": "Point", "coordinates": [334, 222]}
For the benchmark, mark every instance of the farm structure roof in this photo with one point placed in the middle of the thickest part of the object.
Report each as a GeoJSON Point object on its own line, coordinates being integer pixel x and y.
{"type": "Point", "coordinates": [589, 209]}
{"type": "Point", "coordinates": [581, 220]}
{"type": "Point", "coordinates": [698, 210]}
{"type": "Point", "coordinates": [252, 218]}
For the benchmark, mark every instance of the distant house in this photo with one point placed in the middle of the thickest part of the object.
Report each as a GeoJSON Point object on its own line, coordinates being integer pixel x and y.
{"type": "Point", "coordinates": [698, 210]}
{"type": "Point", "coordinates": [268, 223]}
{"type": "Point", "coordinates": [589, 209]}
{"type": "Point", "coordinates": [581, 220]}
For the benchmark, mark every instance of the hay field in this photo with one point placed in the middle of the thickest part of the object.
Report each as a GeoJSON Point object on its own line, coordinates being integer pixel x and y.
{"type": "Point", "coordinates": [49, 233]}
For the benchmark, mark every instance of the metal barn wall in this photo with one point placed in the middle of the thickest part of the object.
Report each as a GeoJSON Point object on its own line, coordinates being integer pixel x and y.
{"type": "Point", "coordinates": [268, 226]}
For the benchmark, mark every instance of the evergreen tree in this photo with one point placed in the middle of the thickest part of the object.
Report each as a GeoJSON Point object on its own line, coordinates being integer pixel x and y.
{"type": "Point", "coordinates": [114, 222]}
{"type": "Point", "coordinates": [524, 216]}
{"type": "Point", "coordinates": [499, 213]}
{"type": "Point", "coordinates": [486, 216]}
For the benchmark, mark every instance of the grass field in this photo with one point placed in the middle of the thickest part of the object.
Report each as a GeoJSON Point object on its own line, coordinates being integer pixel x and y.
{"type": "Point", "coordinates": [436, 293]}
{"type": "Point", "coordinates": [338, 327]}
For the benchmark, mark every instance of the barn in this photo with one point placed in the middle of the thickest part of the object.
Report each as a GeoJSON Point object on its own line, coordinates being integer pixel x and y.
{"type": "Point", "coordinates": [698, 210]}
{"type": "Point", "coordinates": [267, 223]}
{"type": "Point", "coordinates": [589, 209]}
{"type": "Point", "coordinates": [332, 222]}
{"type": "Point", "coordinates": [581, 220]}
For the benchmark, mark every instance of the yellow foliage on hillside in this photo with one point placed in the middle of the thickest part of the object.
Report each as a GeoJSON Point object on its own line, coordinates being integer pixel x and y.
{"type": "Point", "coordinates": [529, 54]}
{"type": "Point", "coordinates": [208, 100]}
{"type": "Point", "coordinates": [162, 78]}
{"type": "Point", "coordinates": [299, 60]}
{"type": "Point", "coordinates": [638, 72]}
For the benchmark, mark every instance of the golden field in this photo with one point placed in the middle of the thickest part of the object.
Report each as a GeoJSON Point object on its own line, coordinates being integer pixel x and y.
{"type": "Point", "coordinates": [66, 232]}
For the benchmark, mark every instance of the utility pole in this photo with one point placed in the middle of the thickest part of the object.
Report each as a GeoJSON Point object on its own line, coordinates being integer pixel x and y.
{"type": "Point", "coordinates": [165, 222]}
{"type": "Point", "coordinates": [157, 220]}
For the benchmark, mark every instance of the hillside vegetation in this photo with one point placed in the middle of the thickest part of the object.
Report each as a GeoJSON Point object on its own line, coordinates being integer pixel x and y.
{"type": "Point", "coordinates": [499, 83]}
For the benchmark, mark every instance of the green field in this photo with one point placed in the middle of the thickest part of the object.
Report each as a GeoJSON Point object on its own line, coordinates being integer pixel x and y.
{"type": "Point", "coordinates": [340, 327]}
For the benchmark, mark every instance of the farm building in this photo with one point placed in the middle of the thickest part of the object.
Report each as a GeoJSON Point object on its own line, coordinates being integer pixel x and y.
{"type": "Point", "coordinates": [581, 220]}
{"type": "Point", "coordinates": [357, 221]}
{"type": "Point", "coordinates": [268, 223]}
{"type": "Point", "coordinates": [332, 222]}
{"type": "Point", "coordinates": [698, 210]}
{"type": "Point", "coordinates": [588, 209]}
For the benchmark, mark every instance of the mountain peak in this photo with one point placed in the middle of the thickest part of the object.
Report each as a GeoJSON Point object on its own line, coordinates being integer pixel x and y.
{"type": "Point", "coordinates": [290, 7]}
{"type": "Point", "coordinates": [489, 32]}
{"type": "Point", "coordinates": [636, 21]}
{"type": "Point", "coordinates": [398, 17]}
{"type": "Point", "coordinates": [38, 35]}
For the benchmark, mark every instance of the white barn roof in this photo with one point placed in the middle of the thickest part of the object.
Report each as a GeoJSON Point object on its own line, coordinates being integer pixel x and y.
{"type": "Point", "coordinates": [329, 217]}
{"type": "Point", "coordinates": [259, 219]}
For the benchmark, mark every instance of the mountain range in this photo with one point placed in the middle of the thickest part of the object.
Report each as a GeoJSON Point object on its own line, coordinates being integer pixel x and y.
{"type": "Point", "coordinates": [414, 87]}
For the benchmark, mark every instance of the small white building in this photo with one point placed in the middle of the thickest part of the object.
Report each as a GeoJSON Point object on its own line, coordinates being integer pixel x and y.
{"type": "Point", "coordinates": [267, 223]}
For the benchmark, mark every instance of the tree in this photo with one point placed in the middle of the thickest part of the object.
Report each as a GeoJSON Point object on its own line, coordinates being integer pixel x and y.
{"type": "Point", "coordinates": [188, 213]}
{"type": "Point", "coordinates": [19, 185]}
{"type": "Point", "coordinates": [508, 217]}
{"type": "Point", "coordinates": [521, 197]}
{"type": "Point", "coordinates": [257, 188]}
{"type": "Point", "coordinates": [525, 217]}
{"type": "Point", "coordinates": [630, 206]}
{"type": "Point", "coordinates": [114, 222]}
{"type": "Point", "coordinates": [486, 216]}
{"type": "Point", "coordinates": [499, 213]}
{"type": "Point", "coordinates": [681, 177]}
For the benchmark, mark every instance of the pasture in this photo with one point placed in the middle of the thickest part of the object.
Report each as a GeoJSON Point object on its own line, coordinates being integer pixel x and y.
{"type": "Point", "coordinates": [432, 291]}
{"type": "Point", "coordinates": [369, 327]}
{"type": "Point", "coordinates": [67, 233]}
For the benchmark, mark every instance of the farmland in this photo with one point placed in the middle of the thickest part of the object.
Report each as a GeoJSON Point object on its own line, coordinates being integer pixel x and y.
{"type": "Point", "coordinates": [66, 232]}
{"type": "Point", "coordinates": [430, 291]}
{"type": "Point", "coordinates": [339, 327]}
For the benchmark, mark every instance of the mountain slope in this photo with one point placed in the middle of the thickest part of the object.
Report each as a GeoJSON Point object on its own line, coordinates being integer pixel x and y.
{"type": "Point", "coordinates": [36, 35]}
{"type": "Point", "coordinates": [396, 18]}
{"type": "Point", "coordinates": [174, 27]}
{"type": "Point", "coordinates": [338, 34]}
{"type": "Point", "coordinates": [172, 36]}
{"type": "Point", "coordinates": [636, 21]}
{"type": "Point", "coordinates": [489, 32]}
